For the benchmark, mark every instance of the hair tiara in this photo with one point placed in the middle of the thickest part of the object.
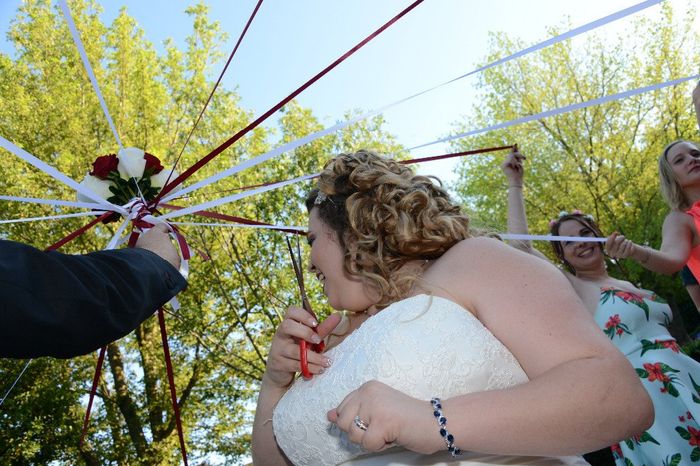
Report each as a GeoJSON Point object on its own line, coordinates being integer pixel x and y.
{"type": "Point", "coordinates": [564, 213]}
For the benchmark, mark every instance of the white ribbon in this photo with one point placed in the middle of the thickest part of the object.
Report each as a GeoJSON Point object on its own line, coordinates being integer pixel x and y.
{"type": "Point", "coordinates": [88, 68]}
{"type": "Point", "coordinates": [548, 113]}
{"type": "Point", "coordinates": [560, 110]}
{"type": "Point", "coordinates": [51, 217]}
{"type": "Point", "coordinates": [252, 162]}
{"type": "Point", "coordinates": [343, 124]}
{"type": "Point", "coordinates": [55, 202]}
{"type": "Point", "coordinates": [15, 382]}
{"type": "Point", "coordinates": [521, 237]}
{"type": "Point", "coordinates": [235, 197]}
{"type": "Point", "coordinates": [240, 225]}
{"type": "Point", "coordinates": [51, 171]}
{"type": "Point", "coordinates": [567, 35]}
{"type": "Point", "coordinates": [117, 238]}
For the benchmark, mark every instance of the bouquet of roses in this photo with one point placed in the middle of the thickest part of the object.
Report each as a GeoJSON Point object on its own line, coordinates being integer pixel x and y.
{"type": "Point", "coordinates": [129, 174]}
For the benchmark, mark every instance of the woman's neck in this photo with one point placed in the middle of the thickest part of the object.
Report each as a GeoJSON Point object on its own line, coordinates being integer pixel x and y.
{"type": "Point", "coordinates": [692, 193]}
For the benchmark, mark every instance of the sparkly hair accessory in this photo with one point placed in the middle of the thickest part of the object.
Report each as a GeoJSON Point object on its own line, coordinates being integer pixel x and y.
{"type": "Point", "coordinates": [564, 213]}
{"type": "Point", "coordinates": [320, 198]}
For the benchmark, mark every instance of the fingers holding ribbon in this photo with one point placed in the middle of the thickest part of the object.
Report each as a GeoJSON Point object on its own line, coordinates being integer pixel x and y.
{"type": "Point", "coordinates": [284, 360]}
{"type": "Point", "coordinates": [619, 247]}
{"type": "Point", "coordinates": [512, 167]}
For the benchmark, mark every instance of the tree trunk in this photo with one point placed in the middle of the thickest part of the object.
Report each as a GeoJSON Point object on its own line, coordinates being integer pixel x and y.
{"type": "Point", "coordinates": [126, 405]}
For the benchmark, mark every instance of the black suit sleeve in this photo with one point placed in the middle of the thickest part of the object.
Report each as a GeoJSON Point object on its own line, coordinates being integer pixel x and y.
{"type": "Point", "coordinates": [53, 304]}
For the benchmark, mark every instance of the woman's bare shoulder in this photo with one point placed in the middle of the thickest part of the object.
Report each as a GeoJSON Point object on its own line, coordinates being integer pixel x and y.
{"type": "Point", "coordinates": [678, 226]}
{"type": "Point", "coordinates": [482, 260]}
{"type": "Point", "coordinates": [678, 216]}
{"type": "Point", "coordinates": [476, 244]}
{"type": "Point", "coordinates": [489, 250]}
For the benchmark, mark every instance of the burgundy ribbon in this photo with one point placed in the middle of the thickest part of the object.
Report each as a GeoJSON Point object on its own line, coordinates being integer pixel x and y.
{"type": "Point", "coordinates": [78, 232]}
{"type": "Point", "coordinates": [232, 218]}
{"type": "Point", "coordinates": [93, 391]}
{"type": "Point", "coordinates": [207, 158]}
{"type": "Point", "coordinates": [457, 154]}
{"type": "Point", "coordinates": [218, 81]}
{"type": "Point", "coordinates": [404, 162]}
{"type": "Point", "coordinates": [171, 381]}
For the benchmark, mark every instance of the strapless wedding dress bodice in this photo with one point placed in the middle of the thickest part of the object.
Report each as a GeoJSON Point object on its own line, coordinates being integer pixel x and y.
{"type": "Point", "coordinates": [424, 346]}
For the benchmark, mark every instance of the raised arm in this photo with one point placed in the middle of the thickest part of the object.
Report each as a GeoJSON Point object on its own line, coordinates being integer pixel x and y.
{"type": "Point", "coordinates": [514, 171]}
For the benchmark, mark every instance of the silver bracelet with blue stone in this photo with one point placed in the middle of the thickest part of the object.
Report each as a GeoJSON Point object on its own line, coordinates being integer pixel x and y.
{"type": "Point", "coordinates": [442, 422]}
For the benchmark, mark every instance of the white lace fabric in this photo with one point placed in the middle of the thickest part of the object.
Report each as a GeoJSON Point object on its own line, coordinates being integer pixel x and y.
{"type": "Point", "coordinates": [424, 346]}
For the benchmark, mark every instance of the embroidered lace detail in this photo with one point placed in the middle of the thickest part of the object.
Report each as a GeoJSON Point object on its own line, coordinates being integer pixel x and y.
{"type": "Point", "coordinates": [423, 346]}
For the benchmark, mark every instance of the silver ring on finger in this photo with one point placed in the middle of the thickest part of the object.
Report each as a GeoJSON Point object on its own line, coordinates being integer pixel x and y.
{"type": "Point", "coordinates": [359, 423]}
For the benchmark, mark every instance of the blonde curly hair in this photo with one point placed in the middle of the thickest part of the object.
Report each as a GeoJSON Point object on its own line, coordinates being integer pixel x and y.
{"type": "Point", "coordinates": [385, 216]}
{"type": "Point", "coordinates": [670, 188]}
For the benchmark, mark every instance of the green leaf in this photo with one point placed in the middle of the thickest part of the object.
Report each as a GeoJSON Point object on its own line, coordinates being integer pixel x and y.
{"type": "Point", "coordinates": [666, 368]}
{"type": "Point", "coordinates": [671, 389]}
{"type": "Point", "coordinates": [695, 385]}
{"type": "Point", "coordinates": [695, 455]}
{"type": "Point", "coordinates": [646, 437]}
{"type": "Point", "coordinates": [645, 308]}
{"type": "Point", "coordinates": [675, 460]}
{"type": "Point", "coordinates": [683, 433]}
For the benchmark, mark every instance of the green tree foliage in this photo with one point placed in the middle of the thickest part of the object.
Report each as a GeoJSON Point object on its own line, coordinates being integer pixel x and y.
{"type": "Point", "coordinates": [240, 281]}
{"type": "Point", "coordinates": [601, 160]}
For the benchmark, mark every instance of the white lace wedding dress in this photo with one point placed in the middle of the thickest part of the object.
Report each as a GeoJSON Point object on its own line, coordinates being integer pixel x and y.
{"type": "Point", "coordinates": [424, 346]}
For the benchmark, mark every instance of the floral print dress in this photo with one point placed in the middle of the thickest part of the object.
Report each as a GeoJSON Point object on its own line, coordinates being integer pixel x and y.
{"type": "Point", "coordinates": [637, 325]}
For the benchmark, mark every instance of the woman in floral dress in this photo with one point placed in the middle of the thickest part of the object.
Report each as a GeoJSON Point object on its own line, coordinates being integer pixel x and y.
{"type": "Point", "coordinates": [636, 321]}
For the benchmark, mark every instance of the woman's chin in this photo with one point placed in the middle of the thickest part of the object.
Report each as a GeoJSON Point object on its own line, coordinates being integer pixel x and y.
{"type": "Point", "coordinates": [332, 302]}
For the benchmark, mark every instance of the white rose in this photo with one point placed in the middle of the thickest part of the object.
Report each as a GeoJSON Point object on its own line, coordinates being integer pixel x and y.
{"type": "Point", "coordinates": [158, 180]}
{"type": "Point", "coordinates": [97, 186]}
{"type": "Point", "coordinates": [131, 163]}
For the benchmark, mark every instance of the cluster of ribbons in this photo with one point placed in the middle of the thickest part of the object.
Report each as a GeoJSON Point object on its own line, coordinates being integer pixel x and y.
{"type": "Point", "coordinates": [141, 214]}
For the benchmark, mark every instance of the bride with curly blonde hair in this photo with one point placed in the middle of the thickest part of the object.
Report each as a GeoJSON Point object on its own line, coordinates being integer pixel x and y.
{"type": "Point", "coordinates": [455, 349]}
{"type": "Point", "coordinates": [386, 217]}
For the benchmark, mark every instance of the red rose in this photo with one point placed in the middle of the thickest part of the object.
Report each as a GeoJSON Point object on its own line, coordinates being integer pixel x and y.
{"type": "Point", "coordinates": [153, 165]}
{"type": "Point", "coordinates": [104, 165]}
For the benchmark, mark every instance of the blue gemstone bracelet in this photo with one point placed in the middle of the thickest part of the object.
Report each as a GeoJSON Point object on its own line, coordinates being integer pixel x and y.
{"type": "Point", "coordinates": [442, 422]}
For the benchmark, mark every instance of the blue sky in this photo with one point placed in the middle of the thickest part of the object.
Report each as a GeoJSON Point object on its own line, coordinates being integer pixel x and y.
{"type": "Point", "coordinates": [290, 41]}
